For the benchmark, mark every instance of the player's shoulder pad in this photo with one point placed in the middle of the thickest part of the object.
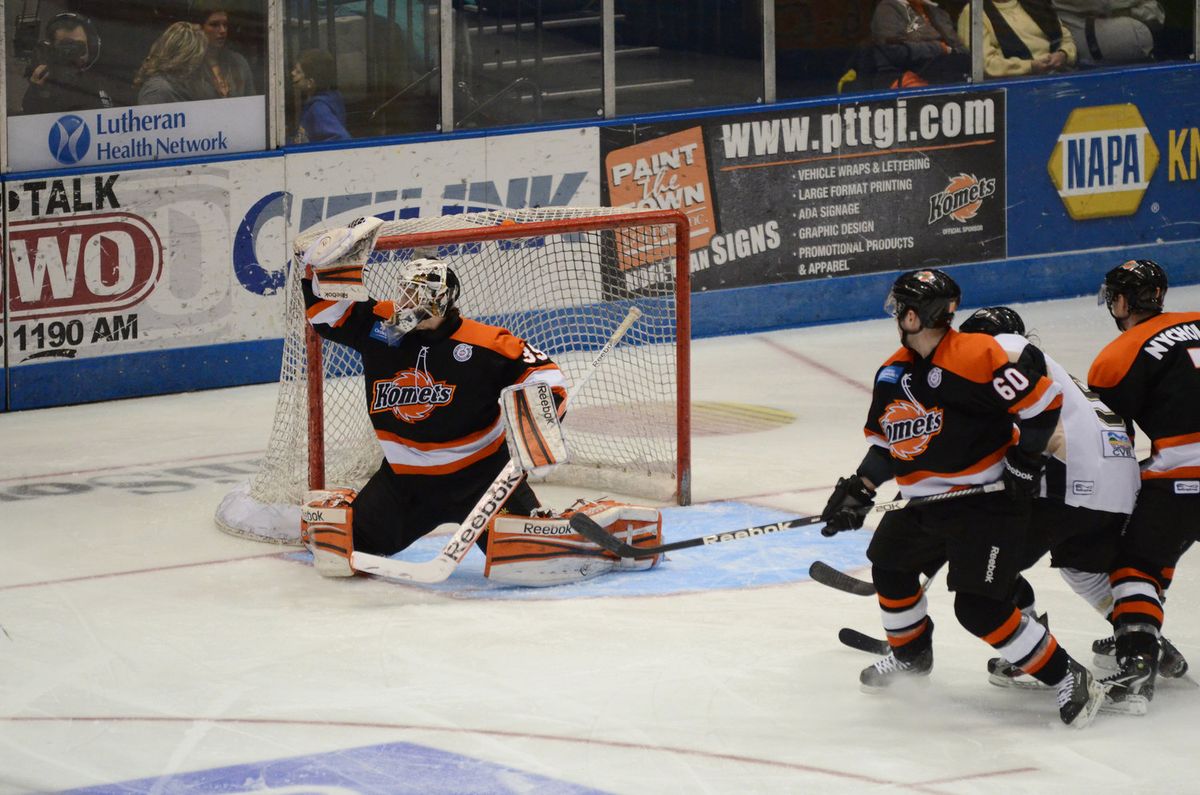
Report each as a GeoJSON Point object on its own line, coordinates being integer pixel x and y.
{"type": "Point", "coordinates": [891, 370]}
{"type": "Point", "coordinates": [1114, 361]}
{"type": "Point", "coordinates": [494, 338]}
{"type": "Point", "coordinates": [974, 357]}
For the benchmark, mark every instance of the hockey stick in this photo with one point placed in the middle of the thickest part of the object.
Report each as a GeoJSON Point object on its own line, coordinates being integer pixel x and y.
{"type": "Point", "coordinates": [587, 527]}
{"type": "Point", "coordinates": [460, 543]}
{"type": "Point", "coordinates": [863, 642]}
{"type": "Point", "coordinates": [822, 572]}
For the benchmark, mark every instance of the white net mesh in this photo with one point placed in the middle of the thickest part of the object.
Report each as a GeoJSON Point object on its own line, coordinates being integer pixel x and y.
{"type": "Point", "coordinates": [562, 291]}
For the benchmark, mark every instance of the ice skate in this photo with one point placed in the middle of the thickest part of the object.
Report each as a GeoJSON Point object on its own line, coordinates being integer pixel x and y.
{"type": "Point", "coordinates": [1079, 696]}
{"type": "Point", "coordinates": [1130, 690]}
{"type": "Point", "coordinates": [891, 669]}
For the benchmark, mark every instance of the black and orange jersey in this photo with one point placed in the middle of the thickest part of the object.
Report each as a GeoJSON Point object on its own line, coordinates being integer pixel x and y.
{"type": "Point", "coordinates": [1150, 375]}
{"type": "Point", "coordinates": [433, 394]}
{"type": "Point", "coordinates": [948, 420]}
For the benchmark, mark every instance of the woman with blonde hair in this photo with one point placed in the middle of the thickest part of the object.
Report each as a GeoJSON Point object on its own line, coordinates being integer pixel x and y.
{"type": "Point", "coordinates": [172, 71]}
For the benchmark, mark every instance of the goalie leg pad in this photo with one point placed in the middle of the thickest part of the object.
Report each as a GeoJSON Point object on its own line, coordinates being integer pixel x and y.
{"type": "Point", "coordinates": [532, 430]}
{"type": "Point", "coordinates": [326, 529]}
{"type": "Point", "coordinates": [544, 551]}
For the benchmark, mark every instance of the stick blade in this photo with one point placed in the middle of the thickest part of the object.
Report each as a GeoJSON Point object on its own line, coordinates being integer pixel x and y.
{"type": "Point", "coordinates": [825, 574]}
{"type": "Point", "coordinates": [587, 527]}
{"type": "Point", "coordinates": [858, 640]}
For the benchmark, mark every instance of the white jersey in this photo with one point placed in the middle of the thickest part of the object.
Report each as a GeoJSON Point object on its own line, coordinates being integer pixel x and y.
{"type": "Point", "coordinates": [1093, 464]}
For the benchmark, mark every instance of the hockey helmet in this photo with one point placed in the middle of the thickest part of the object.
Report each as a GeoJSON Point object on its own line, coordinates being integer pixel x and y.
{"type": "Point", "coordinates": [1143, 282]}
{"type": "Point", "coordinates": [994, 320]}
{"type": "Point", "coordinates": [425, 288]}
{"type": "Point", "coordinates": [931, 293]}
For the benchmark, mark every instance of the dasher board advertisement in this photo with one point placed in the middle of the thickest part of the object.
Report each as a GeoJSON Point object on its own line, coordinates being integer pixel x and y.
{"type": "Point", "coordinates": [104, 268]}
{"type": "Point", "coordinates": [112, 136]}
{"type": "Point", "coordinates": [825, 191]}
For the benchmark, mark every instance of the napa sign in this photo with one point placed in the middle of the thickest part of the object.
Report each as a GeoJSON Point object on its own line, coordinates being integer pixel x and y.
{"type": "Point", "coordinates": [112, 136]}
{"type": "Point", "coordinates": [1102, 162]}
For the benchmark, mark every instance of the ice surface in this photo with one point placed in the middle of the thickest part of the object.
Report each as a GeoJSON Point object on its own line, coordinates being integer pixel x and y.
{"type": "Point", "coordinates": [141, 645]}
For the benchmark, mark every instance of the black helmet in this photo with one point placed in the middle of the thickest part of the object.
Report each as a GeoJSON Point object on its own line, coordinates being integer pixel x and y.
{"type": "Point", "coordinates": [929, 292]}
{"type": "Point", "coordinates": [1143, 282]}
{"type": "Point", "coordinates": [994, 320]}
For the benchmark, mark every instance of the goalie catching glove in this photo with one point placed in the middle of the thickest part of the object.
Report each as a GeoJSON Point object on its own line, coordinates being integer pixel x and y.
{"type": "Point", "coordinates": [337, 259]}
{"type": "Point", "coordinates": [847, 506]}
{"type": "Point", "coordinates": [541, 551]}
{"type": "Point", "coordinates": [325, 530]}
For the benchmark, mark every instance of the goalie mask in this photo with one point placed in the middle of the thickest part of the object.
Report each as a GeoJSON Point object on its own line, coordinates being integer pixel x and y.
{"type": "Point", "coordinates": [425, 288]}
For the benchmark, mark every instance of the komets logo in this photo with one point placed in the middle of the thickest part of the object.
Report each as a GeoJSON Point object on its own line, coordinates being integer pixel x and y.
{"type": "Point", "coordinates": [411, 395]}
{"type": "Point", "coordinates": [961, 199]}
{"type": "Point", "coordinates": [908, 425]}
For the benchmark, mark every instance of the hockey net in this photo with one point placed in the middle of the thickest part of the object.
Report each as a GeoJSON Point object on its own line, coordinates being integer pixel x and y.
{"type": "Point", "coordinates": [560, 278]}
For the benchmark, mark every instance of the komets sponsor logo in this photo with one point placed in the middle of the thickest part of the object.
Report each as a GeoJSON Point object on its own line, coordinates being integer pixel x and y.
{"type": "Point", "coordinates": [962, 198]}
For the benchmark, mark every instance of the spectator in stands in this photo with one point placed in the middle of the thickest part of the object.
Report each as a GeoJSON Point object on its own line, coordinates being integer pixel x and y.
{"type": "Point", "coordinates": [228, 70]}
{"type": "Point", "coordinates": [59, 80]}
{"type": "Point", "coordinates": [918, 39]}
{"type": "Point", "coordinates": [1112, 31]}
{"type": "Point", "coordinates": [1021, 37]}
{"type": "Point", "coordinates": [173, 71]}
{"type": "Point", "coordinates": [323, 116]}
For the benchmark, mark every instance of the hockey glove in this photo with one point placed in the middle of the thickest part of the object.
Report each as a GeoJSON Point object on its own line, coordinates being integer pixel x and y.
{"type": "Point", "coordinates": [847, 506]}
{"type": "Point", "coordinates": [1022, 474]}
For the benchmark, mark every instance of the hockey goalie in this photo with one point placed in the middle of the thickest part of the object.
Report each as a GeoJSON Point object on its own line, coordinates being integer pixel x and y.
{"type": "Point", "coordinates": [432, 378]}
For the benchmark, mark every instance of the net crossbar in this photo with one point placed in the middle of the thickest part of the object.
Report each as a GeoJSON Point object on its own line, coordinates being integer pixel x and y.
{"type": "Point", "coordinates": [559, 278]}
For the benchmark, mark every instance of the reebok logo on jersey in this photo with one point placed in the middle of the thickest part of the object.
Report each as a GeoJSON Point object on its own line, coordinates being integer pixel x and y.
{"type": "Point", "coordinates": [1187, 487]}
{"type": "Point", "coordinates": [1160, 343]}
{"type": "Point", "coordinates": [908, 425]}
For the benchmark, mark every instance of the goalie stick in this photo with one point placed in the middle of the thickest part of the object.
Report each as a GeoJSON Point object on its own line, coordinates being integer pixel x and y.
{"type": "Point", "coordinates": [587, 527]}
{"type": "Point", "coordinates": [460, 543]}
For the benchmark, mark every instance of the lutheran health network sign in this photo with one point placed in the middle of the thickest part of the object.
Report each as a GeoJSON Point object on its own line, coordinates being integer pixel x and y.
{"type": "Point", "coordinates": [112, 136]}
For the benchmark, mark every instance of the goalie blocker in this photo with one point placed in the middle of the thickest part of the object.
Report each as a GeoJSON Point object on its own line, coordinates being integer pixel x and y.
{"type": "Point", "coordinates": [532, 430]}
{"type": "Point", "coordinates": [542, 551]}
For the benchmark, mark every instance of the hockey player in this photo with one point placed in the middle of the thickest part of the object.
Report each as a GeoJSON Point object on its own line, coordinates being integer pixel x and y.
{"type": "Point", "coordinates": [432, 380]}
{"type": "Point", "coordinates": [1150, 375]}
{"type": "Point", "coordinates": [942, 418]}
{"type": "Point", "coordinates": [1088, 485]}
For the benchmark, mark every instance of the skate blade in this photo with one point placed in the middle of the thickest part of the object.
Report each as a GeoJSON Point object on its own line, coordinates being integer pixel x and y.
{"type": "Point", "coordinates": [1023, 683]}
{"type": "Point", "coordinates": [1130, 705]}
{"type": "Point", "coordinates": [910, 683]}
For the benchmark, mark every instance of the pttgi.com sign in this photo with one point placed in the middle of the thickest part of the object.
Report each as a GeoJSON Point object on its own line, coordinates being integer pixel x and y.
{"type": "Point", "coordinates": [147, 132]}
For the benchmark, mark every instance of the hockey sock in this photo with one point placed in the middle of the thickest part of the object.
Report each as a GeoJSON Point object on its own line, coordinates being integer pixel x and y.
{"type": "Point", "coordinates": [1136, 598]}
{"type": "Point", "coordinates": [904, 611]}
{"type": "Point", "coordinates": [1018, 637]}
